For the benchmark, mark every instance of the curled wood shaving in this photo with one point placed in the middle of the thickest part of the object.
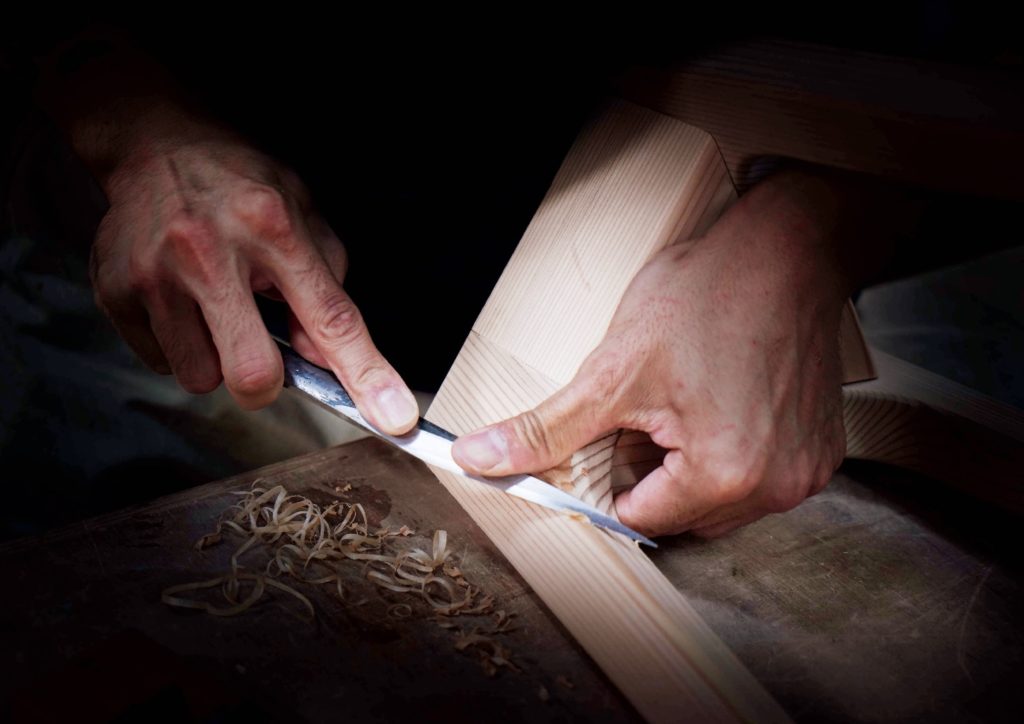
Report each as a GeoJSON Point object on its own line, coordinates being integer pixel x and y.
{"type": "Point", "coordinates": [311, 545]}
{"type": "Point", "coordinates": [209, 539]}
{"type": "Point", "coordinates": [400, 610]}
{"type": "Point", "coordinates": [502, 622]}
{"type": "Point", "coordinates": [491, 653]}
{"type": "Point", "coordinates": [231, 586]}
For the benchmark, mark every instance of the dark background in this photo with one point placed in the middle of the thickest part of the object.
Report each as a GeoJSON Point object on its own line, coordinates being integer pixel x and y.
{"type": "Point", "coordinates": [427, 140]}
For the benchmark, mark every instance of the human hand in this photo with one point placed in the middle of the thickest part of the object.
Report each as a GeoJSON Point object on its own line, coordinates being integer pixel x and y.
{"type": "Point", "coordinates": [724, 350]}
{"type": "Point", "coordinates": [198, 222]}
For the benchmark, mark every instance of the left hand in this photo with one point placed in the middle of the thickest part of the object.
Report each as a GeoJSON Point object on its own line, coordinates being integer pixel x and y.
{"type": "Point", "coordinates": [724, 350]}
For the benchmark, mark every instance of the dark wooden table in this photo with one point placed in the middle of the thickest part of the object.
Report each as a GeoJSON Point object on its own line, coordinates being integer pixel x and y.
{"type": "Point", "coordinates": [884, 598]}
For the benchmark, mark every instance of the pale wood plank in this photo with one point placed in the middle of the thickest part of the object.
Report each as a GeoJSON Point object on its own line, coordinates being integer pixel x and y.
{"type": "Point", "coordinates": [634, 182]}
{"type": "Point", "coordinates": [920, 421]}
{"type": "Point", "coordinates": [638, 628]}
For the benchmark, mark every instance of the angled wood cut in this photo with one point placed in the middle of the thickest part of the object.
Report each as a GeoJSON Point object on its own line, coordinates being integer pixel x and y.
{"type": "Point", "coordinates": [633, 182]}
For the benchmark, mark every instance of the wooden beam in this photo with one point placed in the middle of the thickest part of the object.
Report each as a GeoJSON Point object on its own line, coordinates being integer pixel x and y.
{"type": "Point", "coordinates": [920, 421]}
{"type": "Point", "coordinates": [935, 125]}
{"type": "Point", "coordinates": [633, 182]}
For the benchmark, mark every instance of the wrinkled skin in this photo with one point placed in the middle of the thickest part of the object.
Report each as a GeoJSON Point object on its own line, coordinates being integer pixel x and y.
{"type": "Point", "coordinates": [723, 349]}
{"type": "Point", "coordinates": [198, 221]}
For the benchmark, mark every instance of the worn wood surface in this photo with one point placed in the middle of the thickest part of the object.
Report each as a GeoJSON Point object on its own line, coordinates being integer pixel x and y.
{"type": "Point", "coordinates": [883, 598]}
{"type": "Point", "coordinates": [82, 616]}
{"type": "Point", "coordinates": [886, 597]}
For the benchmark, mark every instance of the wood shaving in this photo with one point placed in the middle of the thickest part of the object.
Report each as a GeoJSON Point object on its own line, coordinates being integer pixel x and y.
{"type": "Point", "coordinates": [400, 610]}
{"type": "Point", "coordinates": [311, 545]}
{"type": "Point", "coordinates": [491, 654]}
{"type": "Point", "coordinates": [502, 622]}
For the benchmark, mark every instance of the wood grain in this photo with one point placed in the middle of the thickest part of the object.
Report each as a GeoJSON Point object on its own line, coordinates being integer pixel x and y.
{"type": "Point", "coordinates": [633, 182]}
{"type": "Point", "coordinates": [637, 627]}
{"type": "Point", "coordinates": [920, 421]}
{"type": "Point", "coordinates": [910, 418]}
{"type": "Point", "coordinates": [939, 126]}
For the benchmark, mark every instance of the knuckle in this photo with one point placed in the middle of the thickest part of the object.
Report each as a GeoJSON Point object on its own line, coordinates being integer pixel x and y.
{"type": "Point", "coordinates": [198, 383]}
{"type": "Point", "coordinates": [143, 273]}
{"type": "Point", "coordinates": [196, 370]}
{"type": "Point", "coordinates": [789, 490]}
{"type": "Point", "coordinates": [264, 209]}
{"type": "Point", "coordinates": [296, 189]}
{"type": "Point", "coordinates": [733, 478]}
{"type": "Point", "coordinates": [369, 372]}
{"type": "Point", "coordinates": [337, 259]}
{"type": "Point", "coordinates": [606, 373]}
{"type": "Point", "coordinates": [532, 431]}
{"type": "Point", "coordinates": [184, 229]}
{"type": "Point", "coordinates": [193, 244]}
{"type": "Point", "coordinates": [254, 377]}
{"type": "Point", "coordinates": [821, 478]}
{"type": "Point", "coordinates": [337, 320]}
{"type": "Point", "coordinates": [783, 497]}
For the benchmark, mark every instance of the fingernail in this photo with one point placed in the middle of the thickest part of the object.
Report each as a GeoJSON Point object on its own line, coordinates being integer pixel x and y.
{"type": "Point", "coordinates": [483, 450]}
{"type": "Point", "coordinates": [397, 408]}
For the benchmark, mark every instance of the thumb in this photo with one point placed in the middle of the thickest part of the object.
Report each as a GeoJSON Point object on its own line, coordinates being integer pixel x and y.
{"type": "Point", "coordinates": [538, 439]}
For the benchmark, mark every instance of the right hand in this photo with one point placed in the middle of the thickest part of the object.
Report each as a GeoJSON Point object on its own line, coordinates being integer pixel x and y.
{"type": "Point", "coordinates": [195, 226]}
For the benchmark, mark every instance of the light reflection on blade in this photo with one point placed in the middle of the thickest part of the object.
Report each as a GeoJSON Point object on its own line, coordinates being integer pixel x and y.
{"type": "Point", "coordinates": [433, 445]}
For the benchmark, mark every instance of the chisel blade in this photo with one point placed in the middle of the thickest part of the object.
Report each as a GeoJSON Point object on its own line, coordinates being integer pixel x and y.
{"type": "Point", "coordinates": [433, 445]}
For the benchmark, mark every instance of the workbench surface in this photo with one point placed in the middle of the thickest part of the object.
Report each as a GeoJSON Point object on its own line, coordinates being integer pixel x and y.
{"type": "Point", "coordinates": [875, 601]}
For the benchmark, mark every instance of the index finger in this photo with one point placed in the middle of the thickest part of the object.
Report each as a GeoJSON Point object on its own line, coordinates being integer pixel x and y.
{"type": "Point", "coordinates": [336, 328]}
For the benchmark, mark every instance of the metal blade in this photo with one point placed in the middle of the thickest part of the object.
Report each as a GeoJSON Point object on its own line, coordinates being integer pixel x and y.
{"type": "Point", "coordinates": [433, 444]}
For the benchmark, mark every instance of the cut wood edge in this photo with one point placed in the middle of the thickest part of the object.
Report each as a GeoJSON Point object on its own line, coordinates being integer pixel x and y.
{"type": "Point", "coordinates": [920, 421]}
{"type": "Point", "coordinates": [606, 591]}
{"type": "Point", "coordinates": [633, 182]}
